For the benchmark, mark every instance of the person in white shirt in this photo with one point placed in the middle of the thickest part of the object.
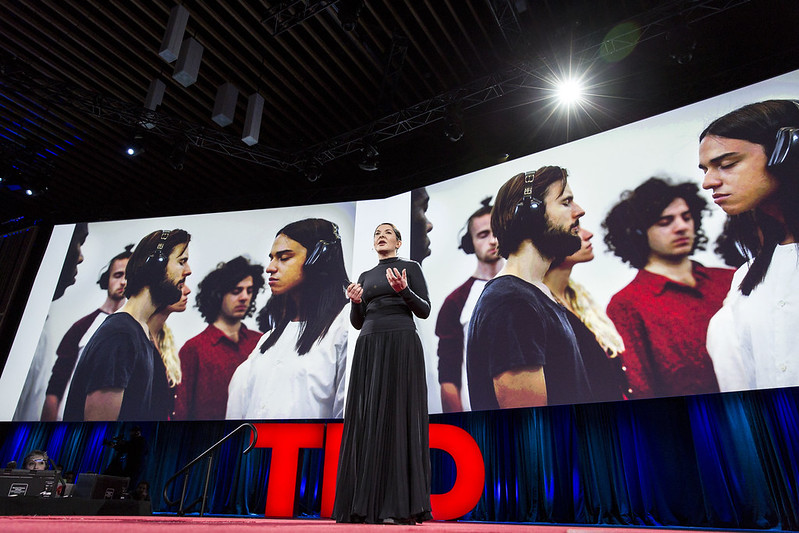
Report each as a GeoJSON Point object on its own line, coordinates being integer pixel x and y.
{"type": "Point", "coordinates": [750, 158]}
{"type": "Point", "coordinates": [297, 369]}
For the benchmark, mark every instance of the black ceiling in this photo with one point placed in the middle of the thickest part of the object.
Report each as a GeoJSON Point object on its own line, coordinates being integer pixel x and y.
{"type": "Point", "coordinates": [74, 75]}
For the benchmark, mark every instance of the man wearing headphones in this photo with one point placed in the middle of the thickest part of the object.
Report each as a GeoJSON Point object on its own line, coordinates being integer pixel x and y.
{"type": "Point", "coordinates": [521, 349]}
{"type": "Point", "coordinates": [113, 281]}
{"type": "Point", "coordinates": [226, 296]}
{"type": "Point", "coordinates": [114, 379]}
{"type": "Point", "coordinates": [455, 313]}
{"type": "Point", "coordinates": [663, 314]}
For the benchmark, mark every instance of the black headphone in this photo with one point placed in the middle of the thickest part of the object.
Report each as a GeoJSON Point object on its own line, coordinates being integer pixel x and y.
{"type": "Point", "coordinates": [155, 264]}
{"type": "Point", "coordinates": [787, 143]}
{"type": "Point", "coordinates": [530, 210]}
{"type": "Point", "coordinates": [157, 256]}
{"type": "Point", "coordinates": [465, 239]}
{"type": "Point", "coordinates": [467, 245]}
{"type": "Point", "coordinates": [325, 251]}
{"type": "Point", "coordinates": [106, 274]}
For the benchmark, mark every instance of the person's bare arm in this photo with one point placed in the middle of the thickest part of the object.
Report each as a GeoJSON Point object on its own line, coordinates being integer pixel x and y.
{"type": "Point", "coordinates": [451, 398]}
{"type": "Point", "coordinates": [103, 404]}
{"type": "Point", "coordinates": [522, 387]}
{"type": "Point", "coordinates": [50, 408]}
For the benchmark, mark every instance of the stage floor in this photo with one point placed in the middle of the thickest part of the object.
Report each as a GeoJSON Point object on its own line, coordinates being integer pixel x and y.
{"type": "Point", "coordinates": [150, 524]}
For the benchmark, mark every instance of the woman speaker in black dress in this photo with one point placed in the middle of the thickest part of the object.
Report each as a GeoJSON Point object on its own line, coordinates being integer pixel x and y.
{"type": "Point", "coordinates": [384, 466]}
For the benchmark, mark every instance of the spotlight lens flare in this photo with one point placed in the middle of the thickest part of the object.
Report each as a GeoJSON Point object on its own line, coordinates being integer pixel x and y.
{"type": "Point", "coordinates": [570, 91]}
{"type": "Point", "coordinates": [131, 151]}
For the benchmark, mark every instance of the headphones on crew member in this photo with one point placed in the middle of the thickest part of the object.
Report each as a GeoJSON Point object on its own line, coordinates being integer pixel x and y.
{"type": "Point", "coordinates": [787, 143]}
{"type": "Point", "coordinates": [324, 251]}
{"type": "Point", "coordinates": [530, 210]}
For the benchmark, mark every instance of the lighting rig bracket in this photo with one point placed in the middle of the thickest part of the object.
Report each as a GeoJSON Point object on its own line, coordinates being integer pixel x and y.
{"type": "Point", "coordinates": [521, 75]}
{"type": "Point", "coordinates": [285, 15]}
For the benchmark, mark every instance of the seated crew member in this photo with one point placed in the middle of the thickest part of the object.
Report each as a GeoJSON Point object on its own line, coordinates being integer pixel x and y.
{"type": "Point", "coordinates": [663, 314]}
{"type": "Point", "coordinates": [521, 350]}
{"type": "Point", "coordinates": [35, 460]}
{"type": "Point", "coordinates": [113, 282]}
{"type": "Point", "coordinates": [456, 311]}
{"type": "Point", "coordinates": [225, 297]}
{"type": "Point", "coordinates": [114, 378]}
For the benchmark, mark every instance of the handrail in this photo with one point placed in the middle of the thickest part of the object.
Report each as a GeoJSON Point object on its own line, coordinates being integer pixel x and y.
{"type": "Point", "coordinates": [209, 453]}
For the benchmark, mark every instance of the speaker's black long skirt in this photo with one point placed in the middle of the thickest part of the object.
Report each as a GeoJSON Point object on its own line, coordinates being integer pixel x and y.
{"type": "Point", "coordinates": [384, 467]}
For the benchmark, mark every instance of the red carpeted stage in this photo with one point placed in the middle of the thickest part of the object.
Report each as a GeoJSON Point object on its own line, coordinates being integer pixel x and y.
{"type": "Point", "coordinates": [93, 524]}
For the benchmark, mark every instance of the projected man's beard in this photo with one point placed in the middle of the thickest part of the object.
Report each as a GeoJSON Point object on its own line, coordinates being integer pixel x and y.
{"type": "Point", "coordinates": [556, 243]}
{"type": "Point", "coordinates": [165, 292]}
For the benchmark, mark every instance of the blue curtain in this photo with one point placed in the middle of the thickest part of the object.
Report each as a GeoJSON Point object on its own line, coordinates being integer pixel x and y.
{"type": "Point", "coordinates": [723, 461]}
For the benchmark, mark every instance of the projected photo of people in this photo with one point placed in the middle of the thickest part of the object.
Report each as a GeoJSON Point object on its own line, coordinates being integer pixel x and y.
{"type": "Point", "coordinates": [297, 370]}
{"type": "Point", "coordinates": [452, 324]}
{"type": "Point", "coordinates": [225, 297]}
{"type": "Point", "coordinates": [655, 304]}
{"type": "Point", "coordinates": [750, 163]}
{"type": "Point", "coordinates": [664, 312]}
{"type": "Point", "coordinates": [121, 374]}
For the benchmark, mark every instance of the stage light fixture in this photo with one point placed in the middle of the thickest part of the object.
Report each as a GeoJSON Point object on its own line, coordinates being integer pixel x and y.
{"type": "Point", "coordinates": [135, 145]}
{"type": "Point", "coordinates": [369, 158]}
{"type": "Point", "coordinates": [312, 171]}
{"type": "Point", "coordinates": [178, 155]}
{"type": "Point", "coordinates": [570, 91]}
{"type": "Point", "coordinates": [453, 130]}
{"type": "Point", "coordinates": [349, 11]}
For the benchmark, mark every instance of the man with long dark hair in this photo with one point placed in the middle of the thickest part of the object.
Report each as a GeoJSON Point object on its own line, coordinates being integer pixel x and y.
{"type": "Point", "coordinates": [225, 297]}
{"type": "Point", "coordinates": [114, 378]}
{"type": "Point", "coordinates": [751, 164]}
{"type": "Point", "coordinates": [663, 314]}
{"type": "Point", "coordinates": [521, 349]}
{"type": "Point", "coordinates": [297, 369]}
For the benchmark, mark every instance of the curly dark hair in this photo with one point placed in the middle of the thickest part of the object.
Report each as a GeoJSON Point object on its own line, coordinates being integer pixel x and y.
{"type": "Point", "coordinates": [213, 288]}
{"type": "Point", "coordinates": [628, 221]}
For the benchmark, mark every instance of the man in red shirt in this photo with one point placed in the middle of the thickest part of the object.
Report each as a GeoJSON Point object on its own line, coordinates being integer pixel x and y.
{"type": "Point", "coordinates": [225, 297]}
{"type": "Point", "coordinates": [663, 314]}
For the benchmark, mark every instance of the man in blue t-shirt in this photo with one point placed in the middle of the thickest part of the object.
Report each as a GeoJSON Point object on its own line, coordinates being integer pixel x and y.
{"type": "Point", "coordinates": [521, 349]}
{"type": "Point", "coordinates": [114, 378]}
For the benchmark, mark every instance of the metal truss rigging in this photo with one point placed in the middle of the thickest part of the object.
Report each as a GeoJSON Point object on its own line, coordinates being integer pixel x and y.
{"type": "Point", "coordinates": [522, 75]}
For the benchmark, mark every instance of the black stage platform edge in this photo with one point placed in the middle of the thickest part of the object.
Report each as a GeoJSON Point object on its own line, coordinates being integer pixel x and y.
{"type": "Point", "coordinates": [32, 505]}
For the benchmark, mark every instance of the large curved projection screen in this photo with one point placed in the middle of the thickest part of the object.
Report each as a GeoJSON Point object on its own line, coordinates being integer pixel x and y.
{"type": "Point", "coordinates": [600, 169]}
